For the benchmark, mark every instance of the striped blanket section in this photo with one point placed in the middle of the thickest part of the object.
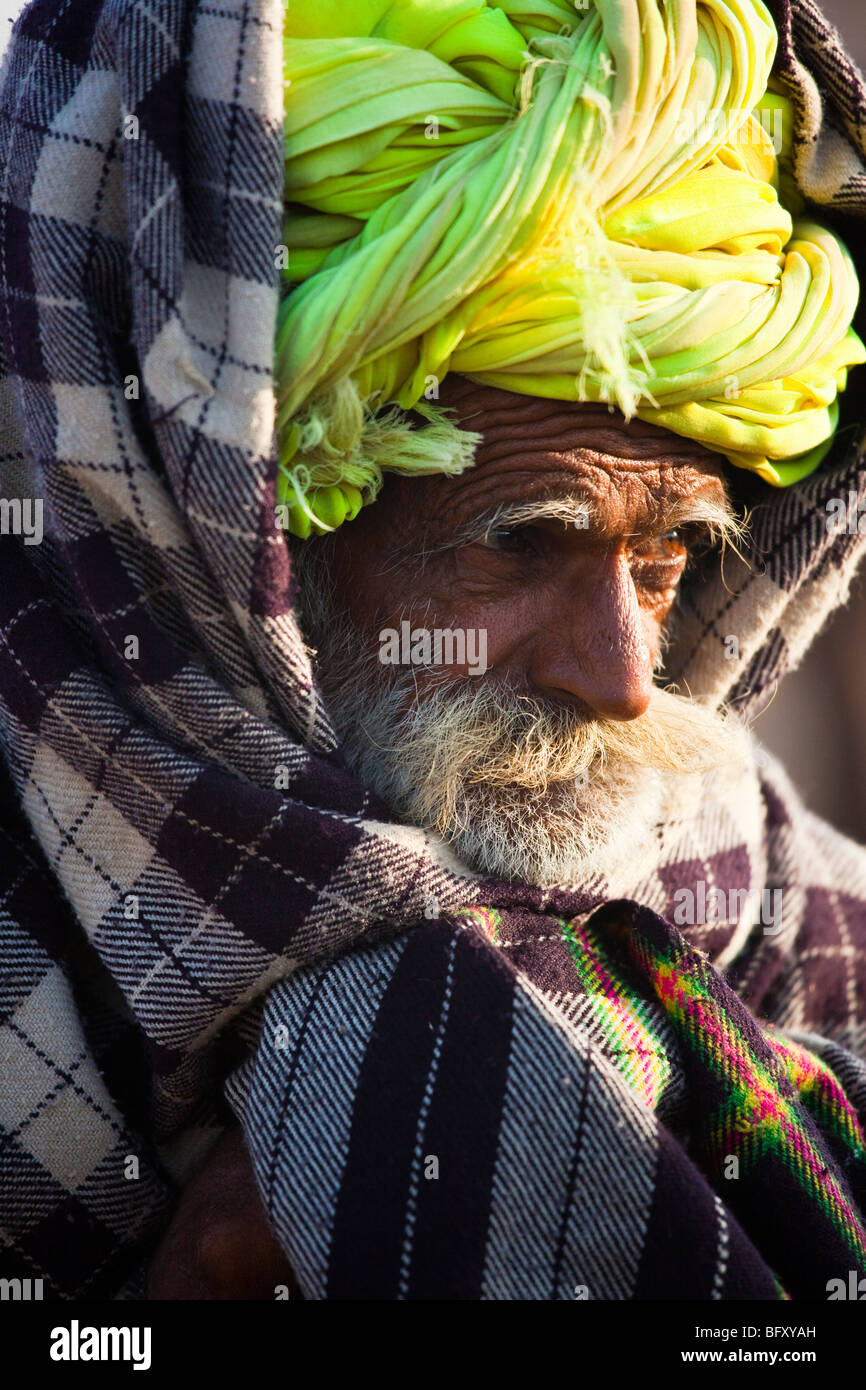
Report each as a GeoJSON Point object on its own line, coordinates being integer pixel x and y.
{"type": "Point", "coordinates": [451, 1087]}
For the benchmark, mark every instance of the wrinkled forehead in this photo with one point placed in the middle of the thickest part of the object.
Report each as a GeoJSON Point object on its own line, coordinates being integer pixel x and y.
{"type": "Point", "coordinates": [501, 415]}
{"type": "Point", "coordinates": [532, 447]}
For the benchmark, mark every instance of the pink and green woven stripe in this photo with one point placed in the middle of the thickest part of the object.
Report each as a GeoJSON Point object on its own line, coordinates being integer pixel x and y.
{"type": "Point", "coordinates": [768, 1121]}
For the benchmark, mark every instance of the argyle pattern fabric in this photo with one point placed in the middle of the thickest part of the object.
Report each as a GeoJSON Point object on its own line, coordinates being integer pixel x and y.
{"type": "Point", "coordinates": [187, 865]}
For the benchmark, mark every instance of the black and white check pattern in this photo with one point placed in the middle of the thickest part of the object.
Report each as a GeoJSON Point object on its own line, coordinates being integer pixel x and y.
{"type": "Point", "coordinates": [179, 833]}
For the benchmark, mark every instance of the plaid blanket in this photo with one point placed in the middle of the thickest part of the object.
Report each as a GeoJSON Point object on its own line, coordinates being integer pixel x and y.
{"type": "Point", "coordinates": [451, 1087]}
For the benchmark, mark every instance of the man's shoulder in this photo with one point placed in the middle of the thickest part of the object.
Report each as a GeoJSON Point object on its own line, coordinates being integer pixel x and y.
{"type": "Point", "coordinates": [812, 975]}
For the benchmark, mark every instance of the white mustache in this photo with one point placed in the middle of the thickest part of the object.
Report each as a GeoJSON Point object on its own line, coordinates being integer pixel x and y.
{"type": "Point", "coordinates": [520, 786]}
{"type": "Point", "coordinates": [466, 734]}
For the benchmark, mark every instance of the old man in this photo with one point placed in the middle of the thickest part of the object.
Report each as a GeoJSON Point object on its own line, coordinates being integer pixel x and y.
{"type": "Point", "coordinates": [525, 970]}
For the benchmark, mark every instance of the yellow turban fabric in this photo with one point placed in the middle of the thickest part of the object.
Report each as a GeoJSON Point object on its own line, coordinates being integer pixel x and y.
{"type": "Point", "coordinates": [577, 201]}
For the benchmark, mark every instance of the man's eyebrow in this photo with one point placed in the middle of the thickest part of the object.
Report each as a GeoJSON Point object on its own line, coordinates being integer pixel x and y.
{"type": "Point", "coordinates": [711, 516]}
{"type": "Point", "coordinates": [572, 511]}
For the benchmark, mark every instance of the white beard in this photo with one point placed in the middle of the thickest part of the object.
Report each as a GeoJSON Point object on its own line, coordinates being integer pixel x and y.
{"type": "Point", "coordinates": [518, 787]}
{"type": "Point", "coordinates": [590, 829]}
{"type": "Point", "coordinates": [588, 839]}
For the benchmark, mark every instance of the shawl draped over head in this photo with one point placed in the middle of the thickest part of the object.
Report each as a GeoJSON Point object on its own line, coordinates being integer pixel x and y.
{"type": "Point", "coordinates": [450, 1086]}
{"type": "Point", "coordinates": [587, 202]}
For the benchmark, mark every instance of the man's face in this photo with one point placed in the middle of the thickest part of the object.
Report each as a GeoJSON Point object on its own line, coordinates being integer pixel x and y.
{"type": "Point", "coordinates": [564, 545]}
{"type": "Point", "coordinates": [574, 614]}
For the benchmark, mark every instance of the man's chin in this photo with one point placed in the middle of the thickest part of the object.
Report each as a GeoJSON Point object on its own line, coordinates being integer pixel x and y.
{"type": "Point", "coordinates": [573, 836]}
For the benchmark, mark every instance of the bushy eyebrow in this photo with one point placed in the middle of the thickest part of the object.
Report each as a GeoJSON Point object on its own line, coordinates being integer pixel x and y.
{"type": "Point", "coordinates": [571, 511]}
{"type": "Point", "coordinates": [709, 516]}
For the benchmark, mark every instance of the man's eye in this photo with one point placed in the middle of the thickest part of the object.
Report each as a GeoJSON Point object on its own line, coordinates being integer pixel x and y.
{"type": "Point", "coordinates": [513, 540]}
{"type": "Point", "coordinates": [667, 549]}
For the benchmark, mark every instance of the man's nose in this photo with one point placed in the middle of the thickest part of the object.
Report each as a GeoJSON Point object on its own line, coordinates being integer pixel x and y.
{"type": "Point", "coordinates": [592, 647]}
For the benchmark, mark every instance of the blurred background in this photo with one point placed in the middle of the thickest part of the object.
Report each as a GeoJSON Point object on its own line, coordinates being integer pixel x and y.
{"type": "Point", "coordinates": [817, 721]}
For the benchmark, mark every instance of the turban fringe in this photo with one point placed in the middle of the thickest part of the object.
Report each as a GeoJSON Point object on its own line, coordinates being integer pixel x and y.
{"type": "Point", "coordinates": [582, 205]}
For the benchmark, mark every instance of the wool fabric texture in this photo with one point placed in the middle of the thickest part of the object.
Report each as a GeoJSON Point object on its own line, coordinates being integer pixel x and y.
{"type": "Point", "coordinates": [188, 867]}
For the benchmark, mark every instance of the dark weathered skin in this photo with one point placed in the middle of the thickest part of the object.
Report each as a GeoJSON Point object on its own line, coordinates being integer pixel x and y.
{"type": "Point", "coordinates": [579, 619]}
{"type": "Point", "coordinates": [219, 1244]}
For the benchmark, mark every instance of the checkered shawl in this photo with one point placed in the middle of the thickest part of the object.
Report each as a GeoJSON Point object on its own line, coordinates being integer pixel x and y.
{"type": "Point", "coordinates": [451, 1087]}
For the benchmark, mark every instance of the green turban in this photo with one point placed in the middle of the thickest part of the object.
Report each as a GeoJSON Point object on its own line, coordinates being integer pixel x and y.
{"type": "Point", "coordinates": [572, 200]}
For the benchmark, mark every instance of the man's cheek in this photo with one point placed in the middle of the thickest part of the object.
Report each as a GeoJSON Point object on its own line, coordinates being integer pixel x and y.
{"type": "Point", "coordinates": [656, 620]}
{"type": "Point", "coordinates": [437, 635]}
{"type": "Point", "coordinates": [434, 654]}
